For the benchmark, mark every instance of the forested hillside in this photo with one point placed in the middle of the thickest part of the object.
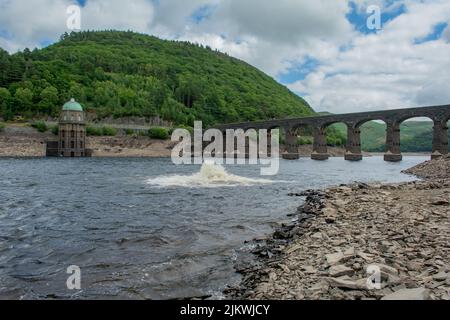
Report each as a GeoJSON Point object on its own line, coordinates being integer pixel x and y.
{"type": "Point", "coordinates": [128, 74]}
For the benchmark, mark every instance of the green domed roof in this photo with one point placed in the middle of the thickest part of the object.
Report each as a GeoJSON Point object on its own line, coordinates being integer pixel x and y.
{"type": "Point", "coordinates": [72, 105]}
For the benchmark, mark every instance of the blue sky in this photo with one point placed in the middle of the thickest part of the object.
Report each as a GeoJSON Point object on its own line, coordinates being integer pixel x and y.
{"type": "Point", "coordinates": [434, 35]}
{"type": "Point", "coordinates": [358, 18]}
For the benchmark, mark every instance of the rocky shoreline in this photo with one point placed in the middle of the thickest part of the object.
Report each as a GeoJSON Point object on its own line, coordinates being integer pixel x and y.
{"type": "Point", "coordinates": [341, 235]}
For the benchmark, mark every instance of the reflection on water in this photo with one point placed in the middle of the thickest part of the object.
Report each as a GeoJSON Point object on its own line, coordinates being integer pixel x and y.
{"type": "Point", "coordinates": [144, 228]}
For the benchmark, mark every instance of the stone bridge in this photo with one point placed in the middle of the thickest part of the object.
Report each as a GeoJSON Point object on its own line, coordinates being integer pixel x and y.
{"type": "Point", "coordinates": [393, 119]}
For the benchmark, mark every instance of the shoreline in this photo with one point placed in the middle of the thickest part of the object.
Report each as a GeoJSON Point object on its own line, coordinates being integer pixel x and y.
{"type": "Point", "coordinates": [156, 156]}
{"type": "Point", "coordinates": [401, 228]}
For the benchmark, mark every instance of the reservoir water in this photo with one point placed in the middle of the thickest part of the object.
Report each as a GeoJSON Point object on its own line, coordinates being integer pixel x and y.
{"type": "Point", "coordinates": [145, 228]}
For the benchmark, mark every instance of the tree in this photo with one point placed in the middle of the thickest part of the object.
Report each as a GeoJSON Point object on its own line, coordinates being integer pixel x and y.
{"type": "Point", "coordinates": [77, 92]}
{"type": "Point", "coordinates": [4, 67]}
{"type": "Point", "coordinates": [49, 100]}
{"type": "Point", "coordinates": [5, 104]}
{"type": "Point", "coordinates": [23, 99]}
{"type": "Point", "coordinates": [129, 74]}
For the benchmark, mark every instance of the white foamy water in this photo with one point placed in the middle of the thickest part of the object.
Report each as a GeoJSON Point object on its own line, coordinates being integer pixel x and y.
{"type": "Point", "coordinates": [211, 175]}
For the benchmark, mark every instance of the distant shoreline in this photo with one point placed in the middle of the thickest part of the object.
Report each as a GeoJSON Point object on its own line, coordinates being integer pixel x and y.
{"type": "Point", "coordinates": [26, 142]}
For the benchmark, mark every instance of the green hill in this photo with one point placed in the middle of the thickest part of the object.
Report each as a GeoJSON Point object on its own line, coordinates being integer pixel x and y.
{"type": "Point", "coordinates": [129, 74]}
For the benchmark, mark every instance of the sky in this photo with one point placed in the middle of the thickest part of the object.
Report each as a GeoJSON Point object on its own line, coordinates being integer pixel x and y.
{"type": "Point", "coordinates": [322, 50]}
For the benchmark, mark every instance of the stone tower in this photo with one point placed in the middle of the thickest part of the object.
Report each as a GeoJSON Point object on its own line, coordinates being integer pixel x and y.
{"type": "Point", "coordinates": [72, 131]}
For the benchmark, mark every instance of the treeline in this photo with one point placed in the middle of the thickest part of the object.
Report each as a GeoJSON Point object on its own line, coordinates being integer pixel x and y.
{"type": "Point", "coordinates": [129, 74]}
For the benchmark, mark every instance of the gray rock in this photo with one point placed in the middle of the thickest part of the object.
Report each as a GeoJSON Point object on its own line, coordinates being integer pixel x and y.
{"type": "Point", "coordinates": [441, 276]}
{"type": "Point", "coordinates": [409, 294]}
{"type": "Point", "coordinates": [440, 202]}
{"type": "Point", "coordinates": [340, 270]}
{"type": "Point", "coordinates": [386, 269]}
{"type": "Point", "coordinates": [347, 283]}
{"type": "Point", "coordinates": [334, 258]}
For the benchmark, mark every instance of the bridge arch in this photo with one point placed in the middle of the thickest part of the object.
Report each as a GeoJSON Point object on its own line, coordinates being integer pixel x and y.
{"type": "Point", "coordinates": [373, 134]}
{"type": "Point", "coordinates": [359, 123]}
{"type": "Point", "coordinates": [423, 134]}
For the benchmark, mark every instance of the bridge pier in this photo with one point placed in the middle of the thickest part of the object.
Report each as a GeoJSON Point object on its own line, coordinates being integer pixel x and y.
{"type": "Point", "coordinates": [320, 150]}
{"type": "Point", "coordinates": [440, 139]}
{"type": "Point", "coordinates": [353, 148]}
{"type": "Point", "coordinates": [291, 145]}
{"type": "Point", "coordinates": [393, 153]}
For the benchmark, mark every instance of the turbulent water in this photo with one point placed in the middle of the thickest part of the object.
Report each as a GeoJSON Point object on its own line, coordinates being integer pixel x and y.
{"type": "Point", "coordinates": [145, 228]}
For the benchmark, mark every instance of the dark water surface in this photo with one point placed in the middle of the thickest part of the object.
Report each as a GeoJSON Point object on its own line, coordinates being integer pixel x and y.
{"type": "Point", "coordinates": [140, 240]}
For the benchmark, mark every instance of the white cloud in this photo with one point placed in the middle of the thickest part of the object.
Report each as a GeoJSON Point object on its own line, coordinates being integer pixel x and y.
{"type": "Point", "coordinates": [29, 22]}
{"type": "Point", "coordinates": [446, 33]}
{"type": "Point", "coordinates": [136, 15]}
{"type": "Point", "coordinates": [273, 36]}
{"type": "Point", "coordinates": [387, 69]}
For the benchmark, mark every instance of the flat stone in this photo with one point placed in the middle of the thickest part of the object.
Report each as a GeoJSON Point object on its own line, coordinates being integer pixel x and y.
{"type": "Point", "coordinates": [340, 270]}
{"type": "Point", "coordinates": [345, 189]}
{"type": "Point", "coordinates": [328, 211]}
{"type": "Point", "coordinates": [347, 283]}
{"type": "Point", "coordinates": [350, 252]}
{"type": "Point", "coordinates": [409, 294]}
{"type": "Point", "coordinates": [317, 235]}
{"type": "Point", "coordinates": [334, 258]}
{"type": "Point", "coordinates": [386, 269]}
{"type": "Point", "coordinates": [339, 203]}
{"type": "Point", "coordinates": [440, 202]}
{"type": "Point", "coordinates": [441, 276]}
{"type": "Point", "coordinates": [414, 266]}
{"type": "Point", "coordinates": [365, 256]}
{"type": "Point", "coordinates": [309, 269]}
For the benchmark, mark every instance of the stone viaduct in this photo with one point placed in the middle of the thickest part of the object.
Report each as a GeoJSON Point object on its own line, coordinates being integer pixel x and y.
{"type": "Point", "coordinates": [393, 119]}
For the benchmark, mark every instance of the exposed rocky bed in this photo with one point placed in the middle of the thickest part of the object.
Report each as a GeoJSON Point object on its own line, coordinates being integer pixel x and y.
{"type": "Point", "coordinates": [399, 230]}
{"type": "Point", "coordinates": [432, 169]}
{"type": "Point", "coordinates": [129, 146]}
{"type": "Point", "coordinates": [24, 141]}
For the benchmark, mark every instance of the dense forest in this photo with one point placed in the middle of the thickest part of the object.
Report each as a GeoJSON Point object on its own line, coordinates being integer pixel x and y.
{"type": "Point", "coordinates": [123, 74]}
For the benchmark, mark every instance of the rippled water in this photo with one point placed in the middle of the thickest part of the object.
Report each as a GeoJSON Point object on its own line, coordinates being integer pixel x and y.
{"type": "Point", "coordinates": [145, 228]}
